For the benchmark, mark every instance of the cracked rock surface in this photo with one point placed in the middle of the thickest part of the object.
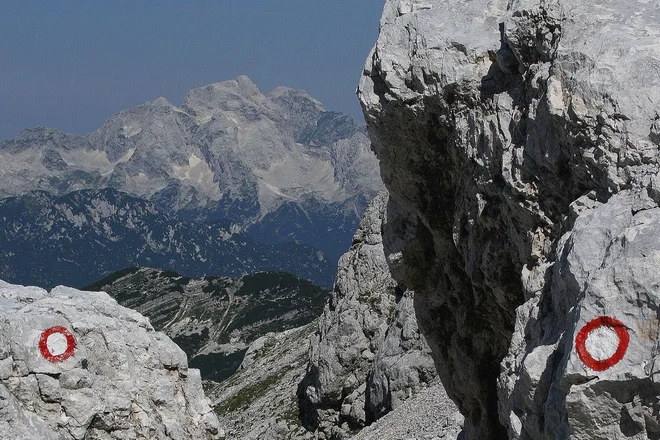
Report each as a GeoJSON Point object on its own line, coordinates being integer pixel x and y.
{"type": "Point", "coordinates": [122, 380]}
{"type": "Point", "coordinates": [518, 140]}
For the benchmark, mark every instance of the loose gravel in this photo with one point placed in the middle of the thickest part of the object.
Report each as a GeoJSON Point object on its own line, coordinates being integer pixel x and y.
{"type": "Point", "coordinates": [430, 415]}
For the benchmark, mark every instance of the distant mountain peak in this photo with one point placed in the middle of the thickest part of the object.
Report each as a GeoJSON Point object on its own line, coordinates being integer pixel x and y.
{"type": "Point", "coordinates": [239, 96]}
{"type": "Point", "coordinates": [283, 93]}
{"type": "Point", "coordinates": [161, 102]}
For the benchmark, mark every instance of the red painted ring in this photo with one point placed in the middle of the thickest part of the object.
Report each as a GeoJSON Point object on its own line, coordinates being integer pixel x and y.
{"type": "Point", "coordinates": [70, 344]}
{"type": "Point", "coordinates": [581, 339]}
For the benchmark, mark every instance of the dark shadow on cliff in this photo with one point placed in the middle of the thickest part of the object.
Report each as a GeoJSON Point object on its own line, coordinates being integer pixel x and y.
{"type": "Point", "coordinates": [465, 270]}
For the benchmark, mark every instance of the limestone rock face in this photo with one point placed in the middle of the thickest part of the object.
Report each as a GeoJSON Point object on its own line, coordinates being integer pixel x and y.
{"type": "Point", "coordinates": [368, 355]}
{"type": "Point", "coordinates": [76, 365]}
{"type": "Point", "coordinates": [606, 266]}
{"type": "Point", "coordinates": [518, 141]}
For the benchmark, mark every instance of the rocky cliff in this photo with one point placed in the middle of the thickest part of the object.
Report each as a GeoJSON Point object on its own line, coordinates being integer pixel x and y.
{"type": "Point", "coordinates": [361, 360]}
{"type": "Point", "coordinates": [75, 365]}
{"type": "Point", "coordinates": [519, 143]}
{"type": "Point", "coordinates": [367, 356]}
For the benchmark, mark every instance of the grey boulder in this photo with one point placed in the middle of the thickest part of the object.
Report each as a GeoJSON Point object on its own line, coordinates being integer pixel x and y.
{"type": "Point", "coordinates": [76, 365]}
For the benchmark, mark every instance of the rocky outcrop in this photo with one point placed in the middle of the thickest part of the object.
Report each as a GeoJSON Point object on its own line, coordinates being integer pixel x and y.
{"type": "Point", "coordinates": [556, 383]}
{"type": "Point", "coordinates": [367, 356]}
{"type": "Point", "coordinates": [518, 141]}
{"type": "Point", "coordinates": [76, 365]}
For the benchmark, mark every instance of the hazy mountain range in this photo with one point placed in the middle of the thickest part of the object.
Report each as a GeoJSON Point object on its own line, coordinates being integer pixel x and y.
{"type": "Point", "coordinates": [278, 165]}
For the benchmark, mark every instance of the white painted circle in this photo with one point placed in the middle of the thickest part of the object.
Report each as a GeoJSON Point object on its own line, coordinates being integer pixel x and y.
{"type": "Point", "coordinates": [602, 343]}
{"type": "Point", "coordinates": [57, 344]}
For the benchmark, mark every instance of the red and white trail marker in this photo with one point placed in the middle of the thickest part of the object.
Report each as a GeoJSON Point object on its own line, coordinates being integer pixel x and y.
{"type": "Point", "coordinates": [602, 343]}
{"type": "Point", "coordinates": [57, 344]}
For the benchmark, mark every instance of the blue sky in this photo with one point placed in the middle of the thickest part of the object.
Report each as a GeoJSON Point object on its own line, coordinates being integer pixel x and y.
{"type": "Point", "coordinates": [72, 64]}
